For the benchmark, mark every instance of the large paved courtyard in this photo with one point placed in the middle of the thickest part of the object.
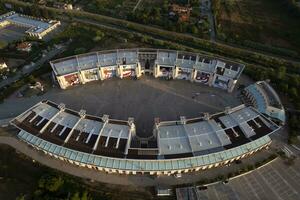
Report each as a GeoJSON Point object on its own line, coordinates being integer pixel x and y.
{"type": "Point", "coordinates": [143, 99]}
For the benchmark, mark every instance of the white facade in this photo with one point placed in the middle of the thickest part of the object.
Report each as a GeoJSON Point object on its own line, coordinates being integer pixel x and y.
{"type": "Point", "coordinates": [132, 63]}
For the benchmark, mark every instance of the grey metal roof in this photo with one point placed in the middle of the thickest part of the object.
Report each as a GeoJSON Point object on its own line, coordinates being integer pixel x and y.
{"type": "Point", "coordinates": [88, 61]}
{"type": "Point", "coordinates": [142, 165]}
{"type": "Point", "coordinates": [164, 58]}
{"type": "Point", "coordinates": [35, 25]}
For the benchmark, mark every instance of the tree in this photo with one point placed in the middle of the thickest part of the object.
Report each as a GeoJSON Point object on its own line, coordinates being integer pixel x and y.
{"type": "Point", "coordinates": [3, 44]}
{"type": "Point", "coordinates": [51, 183]}
{"type": "Point", "coordinates": [79, 50]}
{"type": "Point", "coordinates": [99, 36]}
{"type": "Point", "coordinates": [45, 13]}
{"type": "Point", "coordinates": [293, 93]}
{"type": "Point", "coordinates": [281, 72]}
{"type": "Point", "coordinates": [283, 87]}
{"type": "Point", "coordinates": [21, 197]}
{"type": "Point", "coordinates": [194, 29]}
{"type": "Point", "coordinates": [85, 196]}
{"type": "Point", "coordinates": [75, 196]}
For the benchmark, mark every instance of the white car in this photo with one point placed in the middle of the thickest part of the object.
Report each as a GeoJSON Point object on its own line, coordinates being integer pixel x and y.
{"type": "Point", "coordinates": [178, 175]}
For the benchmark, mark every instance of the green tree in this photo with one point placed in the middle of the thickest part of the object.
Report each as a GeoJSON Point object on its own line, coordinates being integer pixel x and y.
{"type": "Point", "coordinates": [3, 44]}
{"type": "Point", "coordinates": [99, 36]}
{"type": "Point", "coordinates": [79, 50]}
{"type": "Point", "coordinates": [85, 196]}
{"type": "Point", "coordinates": [76, 196]}
{"type": "Point", "coordinates": [21, 197]}
{"type": "Point", "coordinates": [194, 29]}
{"type": "Point", "coordinates": [51, 183]}
{"type": "Point", "coordinates": [293, 93]}
{"type": "Point", "coordinates": [281, 72]}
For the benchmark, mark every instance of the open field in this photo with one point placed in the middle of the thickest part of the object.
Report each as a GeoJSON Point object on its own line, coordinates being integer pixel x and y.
{"type": "Point", "coordinates": [265, 22]}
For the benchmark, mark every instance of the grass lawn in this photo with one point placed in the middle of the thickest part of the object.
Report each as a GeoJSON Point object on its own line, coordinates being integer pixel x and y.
{"type": "Point", "coordinates": [266, 22]}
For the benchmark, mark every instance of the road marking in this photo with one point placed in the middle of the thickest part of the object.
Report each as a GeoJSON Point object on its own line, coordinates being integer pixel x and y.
{"type": "Point", "coordinates": [251, 187]}
{"type": "Point", "coordinates": [268, 183]}
{"type": "Point", "coordinates": [278, 174]}
{"type": "Point", "coordinates": [216, 193]}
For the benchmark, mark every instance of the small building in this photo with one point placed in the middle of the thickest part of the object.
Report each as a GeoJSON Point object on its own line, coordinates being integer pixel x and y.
{"type": "Point", "coordinates": [24, 46]}
{"type": "Point", "coordinates": [183, 12]}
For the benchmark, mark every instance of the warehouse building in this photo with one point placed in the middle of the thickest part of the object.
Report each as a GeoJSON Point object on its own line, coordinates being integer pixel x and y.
{"type": "Point", "coordinates": [36, 27]}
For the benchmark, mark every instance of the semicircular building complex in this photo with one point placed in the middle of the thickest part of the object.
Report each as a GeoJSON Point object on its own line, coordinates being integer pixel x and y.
{"type": "Point", "coordinates": [185, 145]}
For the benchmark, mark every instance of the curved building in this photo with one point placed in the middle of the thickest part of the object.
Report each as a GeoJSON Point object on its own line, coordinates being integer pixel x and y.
{"type": "Point", "coordinates": [112, 145]}
{"type": "Point", "coordinates": [264, 98]}
{"type": "Point", "coordinates": [122, 63]}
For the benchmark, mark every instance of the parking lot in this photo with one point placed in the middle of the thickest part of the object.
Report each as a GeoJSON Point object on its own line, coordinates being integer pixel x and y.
{"type": "Point", "coordinates": [276, 181]}
{"type": "Point", "coordinates": [143, 99]}
{"type": "Point", "coordinates": [11, 33]}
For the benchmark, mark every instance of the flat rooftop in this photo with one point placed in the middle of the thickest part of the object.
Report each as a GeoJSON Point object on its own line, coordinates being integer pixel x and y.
{"type": "Point", "coordinates": [35, 25]}
{"type": "Point", "coordinates": [175, 139]}
{"type": "Point", "coordinates": [165, 58]}
{"type": "Point", "coordinates": [232, 128]}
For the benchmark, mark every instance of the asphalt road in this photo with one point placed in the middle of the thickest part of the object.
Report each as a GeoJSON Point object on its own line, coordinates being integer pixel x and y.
{"type": "Point", "coordinates": [206, 10]}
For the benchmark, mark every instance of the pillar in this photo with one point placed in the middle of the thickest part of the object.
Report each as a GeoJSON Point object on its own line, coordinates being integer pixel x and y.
{"type": "Point", "coordinates": [138, 70]}
{"type": "Point", "coordinates": [175, 72]}
{"type": "Point", "coordinates": [101, 73]}
{"type": "Point", "coordinates": [120, 71]}
{"type": "Point", "coordinates": [81, 77]}
{"type": "Point", "coordinates": [231, 85]}
{"type": "Point", "coordinates": [61, 81]}
{"type": "Point", "coordinates": [211, 79]}
{"type": "Point", "coordinates": [193, 75]}
{"type": "Point", "coordinates": [156, 70]}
